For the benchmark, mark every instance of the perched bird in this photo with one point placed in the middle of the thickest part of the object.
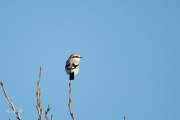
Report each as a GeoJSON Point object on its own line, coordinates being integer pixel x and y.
{"type": "Point", "coordinates": [72, 65]}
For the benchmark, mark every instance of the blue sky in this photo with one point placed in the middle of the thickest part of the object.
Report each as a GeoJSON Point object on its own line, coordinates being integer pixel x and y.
{"type": "Point", "coordinates": [131, 58]}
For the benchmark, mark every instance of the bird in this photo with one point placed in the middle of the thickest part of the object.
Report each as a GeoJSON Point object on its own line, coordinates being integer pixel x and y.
{"type": "Point", "coordinates": [72, 65]}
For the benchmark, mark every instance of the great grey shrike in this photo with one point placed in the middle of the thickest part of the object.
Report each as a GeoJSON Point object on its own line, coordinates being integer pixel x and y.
{"type": "Point", "coordinates": [72, 65]}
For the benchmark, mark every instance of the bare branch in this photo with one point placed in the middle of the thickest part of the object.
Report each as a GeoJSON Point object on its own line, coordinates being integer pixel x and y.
{"type": "Point", "coordinates": [48, 109]}
{"type": "Point", "coordinates": [12, 106]}
{"type": "Point", "coordinates": [70, 100]}
{"type": "Point", "coordinates": [39, 108]}
{"type": "Point", "coordinates": [124, 118]}
{"type": "Point", "coordinates": [51, 117]}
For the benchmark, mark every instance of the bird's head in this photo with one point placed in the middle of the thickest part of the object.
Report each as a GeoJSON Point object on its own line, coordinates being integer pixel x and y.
{"type": "Point", "coordinates": [76, 57]}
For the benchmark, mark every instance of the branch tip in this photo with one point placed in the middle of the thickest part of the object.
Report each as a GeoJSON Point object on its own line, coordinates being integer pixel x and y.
{"type": "Point", "coordinates": [12, 106]}
{"type": "Point", "coordinates": [38, 93]}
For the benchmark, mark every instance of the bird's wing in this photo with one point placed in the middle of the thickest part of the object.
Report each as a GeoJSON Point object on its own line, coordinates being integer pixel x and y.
{"type": "Point", "coordinates": [68, 65]}
{"type": "Point", "coordinates": [73, 64]}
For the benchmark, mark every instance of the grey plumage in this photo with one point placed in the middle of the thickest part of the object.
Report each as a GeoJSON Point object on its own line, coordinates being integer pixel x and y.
{"type": "Point", "coordinates": [72, 65]}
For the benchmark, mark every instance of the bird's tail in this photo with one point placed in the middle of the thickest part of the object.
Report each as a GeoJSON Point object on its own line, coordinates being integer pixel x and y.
{"type": "Point", "coordinates": [71, 77]}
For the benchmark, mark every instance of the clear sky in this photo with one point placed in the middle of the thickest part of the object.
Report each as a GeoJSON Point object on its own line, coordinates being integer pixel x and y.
{"type": "Point", "coordinates": [131, 65]}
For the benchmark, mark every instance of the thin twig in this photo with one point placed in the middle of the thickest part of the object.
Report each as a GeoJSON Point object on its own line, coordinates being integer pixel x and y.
{"type": "Point", "coordinates": [12, 106]}
{"type": "Point", "coordinates": [51, 117]}
{"type": "Point", "coordinates": [39, 108]}
{"type": "Point", "coordinates": [124, 118]}
{"type": "Point", "coordinates": [48, 109]}
{"type": "Point", "coordinates": [70, 100]}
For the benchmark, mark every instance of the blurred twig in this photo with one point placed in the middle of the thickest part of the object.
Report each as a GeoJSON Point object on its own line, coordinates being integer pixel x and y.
{"type": "Point", "coordinates": [124, 118]}
{"type": "Point", "coordinates": [48, 109]}
{"type": "Point", "coordinates": [70, 100]}
{"type": "Point", "coordinates": [39, 108]}
{"type": "Point", "coordinates": [12, 106]}
{"type": "Point", "coordinates": [51, 117]}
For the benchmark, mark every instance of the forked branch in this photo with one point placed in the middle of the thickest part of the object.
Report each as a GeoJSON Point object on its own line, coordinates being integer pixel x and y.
{"type": "Point", "coordinates": [48, 109]}
{"type": "Point", "coordinates": [12, 106]}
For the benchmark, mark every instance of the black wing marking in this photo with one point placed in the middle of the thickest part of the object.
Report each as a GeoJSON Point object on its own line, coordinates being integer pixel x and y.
{"type": "Point", "coordinates": [75, 65]}
{"type": "Point", "coordinates": [67, 66]}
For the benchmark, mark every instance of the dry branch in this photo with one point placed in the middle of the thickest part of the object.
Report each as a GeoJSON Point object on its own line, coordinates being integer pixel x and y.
{"type": "Point", "coordinates": [70, 100]}
{"type": "Point", "coordinates": [48, 109]}
{"type": "Point", "coordinates": [39, 108]}
{"type": "Point", "coordinates": [12, 106]}
{"type": "Point", "coordinates": [51, 117]}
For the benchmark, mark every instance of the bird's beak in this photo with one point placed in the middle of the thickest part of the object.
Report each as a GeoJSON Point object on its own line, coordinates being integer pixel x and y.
{"type": "Point", "coordinates": [81, 57]}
